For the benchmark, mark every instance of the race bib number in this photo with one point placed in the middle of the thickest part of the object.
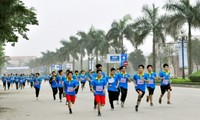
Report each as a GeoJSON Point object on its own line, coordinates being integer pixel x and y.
{"type": "Point", "coordinates": [60, 82]}
{"type": "Point", "coordinates": [123, 80]}
{"type": "Point", "coordinates": [151, 81]}
{"type": "Point", "coordinates": [140, 82]}
{"type": "Point", "coordinates": [70, 89]}
{"type": "Point", "coordinates": [165, 82]}
{"type": "Point", "coordinates": [37, 83]}
{"type": "Point", "coordinates": [99, 88]}
{"type": "Point", "coordinates": [111, 80]}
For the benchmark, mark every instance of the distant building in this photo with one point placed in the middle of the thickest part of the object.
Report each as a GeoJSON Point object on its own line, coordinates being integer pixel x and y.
{"type": "Point", "coordinates": [20, 60]}
{"type": "Point", "coordinates": [18, 64]}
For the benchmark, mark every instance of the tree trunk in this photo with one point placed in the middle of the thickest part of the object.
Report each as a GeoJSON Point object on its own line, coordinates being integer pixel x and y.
{"type": "Point", "coordinates": [73, 64]}
{"type": "Point", "coordinates": [97, 57]}
{"type": "Point", "coordinates": [122, 47]}
{"type": "Point", "coordinates": [189, 50]}
{"type": "Point", "coordinates": [107, 63]}
{"type": "Point", "coordinates": [154, 51]}
{"type": "Point", "coordinates": [81, 61]}
{"type": "Point", "coordinates": [88, 62]}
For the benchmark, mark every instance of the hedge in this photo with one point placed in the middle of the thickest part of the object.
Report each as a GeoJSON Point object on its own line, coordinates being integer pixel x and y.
{"type": "Point", "coordinates": [195, 77]}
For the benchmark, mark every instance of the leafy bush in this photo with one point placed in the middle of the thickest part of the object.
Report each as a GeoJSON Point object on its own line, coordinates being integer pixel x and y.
{"type": "Point", "coordinates": [195, 77]}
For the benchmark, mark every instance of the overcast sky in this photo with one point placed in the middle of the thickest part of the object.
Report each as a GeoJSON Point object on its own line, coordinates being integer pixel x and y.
{"type": "Point", "coordinates": [58, 19]}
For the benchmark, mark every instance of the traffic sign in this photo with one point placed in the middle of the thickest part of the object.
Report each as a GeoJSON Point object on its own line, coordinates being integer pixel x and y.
{"type": "Point", "coordinates": [113, 58]}
{"type": "Point", "coordinates": [126, 63]}
{"type": "Point", "coordinates": [124, 57]}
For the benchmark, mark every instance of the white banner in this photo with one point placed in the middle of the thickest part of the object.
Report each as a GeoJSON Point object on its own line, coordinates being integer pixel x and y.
{"type": "Point", "coordinates": [17, 68]}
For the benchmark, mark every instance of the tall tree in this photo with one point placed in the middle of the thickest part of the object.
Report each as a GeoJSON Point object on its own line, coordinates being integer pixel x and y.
{"type": "Point", "coordinates": [151, 23]}
{"type": "Point", "coordinates": [82, 45]}
{"type": "Point", "coordinates": [181, 12]}
{"type": "Point", "coordinates": [14, 20]}
{"type": "Point", "coordinates": [120, 30]}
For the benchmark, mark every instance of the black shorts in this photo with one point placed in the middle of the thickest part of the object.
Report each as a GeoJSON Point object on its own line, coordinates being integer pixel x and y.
{"type": "Point", "coordinates": [151, 90]}
{"type": "Point", "coordinates": [164, 88]}
{"type": "Point", "coordinates": [141, 91]}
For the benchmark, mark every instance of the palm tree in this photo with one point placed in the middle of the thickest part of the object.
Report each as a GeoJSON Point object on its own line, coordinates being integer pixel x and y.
{"type": "Point", "coordinates": [85, 39]}
{"type": "Point", "coordinates": [73, 44]}
{"type": "Point", "coordinates": [182, 11]}
{"type": "Point", "coordinates": [150, 23]}
{"type": "Point", "coordinates": [119, 31]}
{"type": "Point", "coordinates": [70, 49]}
{"type": "Point", "coordinates": [98, 40]}
{"type": "Point", "coordinates": [83, 44]}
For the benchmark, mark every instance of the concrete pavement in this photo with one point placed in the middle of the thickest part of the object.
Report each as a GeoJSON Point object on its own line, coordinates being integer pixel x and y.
{"type": "Point", "coordinates": [22, 105]}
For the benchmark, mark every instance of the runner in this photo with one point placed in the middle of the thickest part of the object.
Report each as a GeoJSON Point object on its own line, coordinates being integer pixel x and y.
{"type": "Point", "coordinates": [31, 79]}
{"type": "Point", "coordinates": [165, 83]}
{"type": "Point", "coordinates": [116, 74]}
{"type": "Point", "coordinates": [59, 80]}
{"type": "Point", "coordinates": [139, 81]}
{"type": "Point", "coordinates": [90, 78]}
{"type": "Point", "coordinates": [123, 78]}
{"type": "Point", "coordinates": [53, 84]}
{"type": "Point", "coordinates": [4, 79]}
{"type": "Point", "coordinates": [24, 81]}
{"type": "Point", "coordinates": [151, 84]}
{"type": "Point", "coordinates": [70, 85]}
{"type": "Point", "coordinates": [75, 77]}
{"type": "Point", "coordinates": [17, 81]}
{"type": "Point", "coordinates": [82, 77]}
{"type": "Point", "coordinates": [112, 87]}
{"type": "Point", "coordinates": [37, 84]}
{"type": "Point", "coordinates": [12, 78]}
{"type": "Point", "coordinates": [98, 88]}
{"type": "Point", "coordinates": [21, 81]}
{"type": "Point", "coordinates": [9, 81]}
{"type": "Point", "coordinates": [98, 67]}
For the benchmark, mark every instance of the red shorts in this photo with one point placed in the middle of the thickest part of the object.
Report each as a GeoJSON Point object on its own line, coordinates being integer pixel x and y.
{"type": "Point", "coordinates": [70, 98]}
{"type": "Point", "coordinates": [100, 99]}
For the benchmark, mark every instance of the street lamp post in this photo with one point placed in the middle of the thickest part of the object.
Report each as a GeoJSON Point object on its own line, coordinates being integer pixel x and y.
{"type": "Point", "coordinates": [183, 64]}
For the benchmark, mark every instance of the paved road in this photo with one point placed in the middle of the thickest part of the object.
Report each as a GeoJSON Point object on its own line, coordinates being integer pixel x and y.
{"type": "Point", "coordinates": [21, 105]}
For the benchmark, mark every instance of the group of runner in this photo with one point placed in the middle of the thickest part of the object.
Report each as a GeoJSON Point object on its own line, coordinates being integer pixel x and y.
{"type": "Point", "coordinates": [115, 83]}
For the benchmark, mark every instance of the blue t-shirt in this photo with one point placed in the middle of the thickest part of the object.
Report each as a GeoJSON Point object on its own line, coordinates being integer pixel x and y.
{"type": "Point", "coordinates": [60, 80]}
{"type": "Point", "coordinates": [140, 81]}
{"type": "Point", "coordinates": [90, 76]}
{"type": "Point", "coordinates": [17, 79]}
{"type": "Point", "coordinates": [165, 78]}
{"type": "Point", "coordinates": [37, 82]}
{"type": "Point", "coordinates": [69, 87]}
{"type": "Point", "coordinates": [54, 83]}
{"type": "Point", "coordinates": [8, 79]}
{"type": "Point", "coordinates": [32, 78]}
{"type": "Point", "coordinates": [112, 83]}
{"type": "Point", "coordinates": [151, 78]}
{"type": "Point", "coordinates": [20, 79]}
{"type": "Point", "coordinates": [82, 78]}
{"type": "Point", "coordinates": [4, 79]}
{"type": "Point", "coordinates": [12, 79]}
{"type": "Point", "coordinates": [98, 85]}
{"type": "Point", "coordinates": [75, 77]}
{"type": "Point", "coordinates": [123, 80]}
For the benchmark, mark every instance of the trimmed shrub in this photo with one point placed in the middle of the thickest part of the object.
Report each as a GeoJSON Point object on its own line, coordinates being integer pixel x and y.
{"type": "Point", "coordinates": [195, 77]}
